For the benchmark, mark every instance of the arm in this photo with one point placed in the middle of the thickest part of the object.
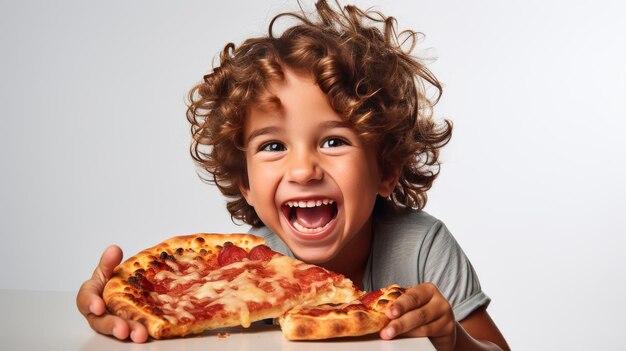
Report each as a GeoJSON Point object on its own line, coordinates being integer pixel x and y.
{"type": "Point", "coordinates": [90, 304]}
{"type": "Point", "coordinates": [478, 332]}
{"type": "Point", "coordinates": [423, 312]}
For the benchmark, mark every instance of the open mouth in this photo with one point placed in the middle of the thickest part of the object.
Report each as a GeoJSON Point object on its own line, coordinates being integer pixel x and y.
{"type": "Point", "coordinates": [310, 216]}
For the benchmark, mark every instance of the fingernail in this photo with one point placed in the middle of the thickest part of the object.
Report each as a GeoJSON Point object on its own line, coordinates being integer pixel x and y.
{"type": "Point", "coordinates": [132, 335]}
{"type": "Point", "coordinates": [389, 332]}
{"type": "Point", "coordinates": [92, 309]}
{"type": "Point", "coordinates": [114, 332]}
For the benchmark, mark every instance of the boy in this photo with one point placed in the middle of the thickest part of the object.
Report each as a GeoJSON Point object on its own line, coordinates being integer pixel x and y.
{"type": "Point", "coordinates": [323, 141]}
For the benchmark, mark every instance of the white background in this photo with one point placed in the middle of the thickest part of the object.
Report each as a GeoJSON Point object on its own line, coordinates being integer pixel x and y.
{"type": "Point", "coordinates": [94, 144]}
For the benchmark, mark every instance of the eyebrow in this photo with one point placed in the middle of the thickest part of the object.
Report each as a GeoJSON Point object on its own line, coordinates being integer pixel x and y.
{"type": "Point", "coordinates": [334, 124]}
{"type": "Point", "coordinates": [262, 131]}
{"type": "Point", "coordinates": [274, 129]}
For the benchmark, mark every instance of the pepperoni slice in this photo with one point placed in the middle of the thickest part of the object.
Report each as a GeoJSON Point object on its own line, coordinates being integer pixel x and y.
{"type": "Point", "coordinates": [317, 312]}
{"type": "Point", "coordinates": [312, 274]}
{"type": "Point", "coordinates": [261, 252]}
{"type": "Point", "coordinates": [371, 297]}
{"type": "Point", "coordinates": [231, 254]}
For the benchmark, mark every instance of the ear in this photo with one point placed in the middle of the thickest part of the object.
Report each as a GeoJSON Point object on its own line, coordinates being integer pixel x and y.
{"type": "Point", "coordinates": [388, 181]}
{"type": "Point", "coordinates": [245, 191]}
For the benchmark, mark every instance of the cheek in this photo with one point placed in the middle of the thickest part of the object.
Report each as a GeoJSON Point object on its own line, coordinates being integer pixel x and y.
{"type": "Point", "coordinates": [358, 178]}
{"type": "Point", "coordinates": [262, 185]}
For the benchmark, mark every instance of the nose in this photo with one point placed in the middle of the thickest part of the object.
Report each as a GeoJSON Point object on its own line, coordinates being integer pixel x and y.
{"type": "Point", "coordinates": [303, 168]}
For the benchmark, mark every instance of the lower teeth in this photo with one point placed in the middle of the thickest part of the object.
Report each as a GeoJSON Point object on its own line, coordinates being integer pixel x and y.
{"type": "Point", "coordinates": [307, 230]}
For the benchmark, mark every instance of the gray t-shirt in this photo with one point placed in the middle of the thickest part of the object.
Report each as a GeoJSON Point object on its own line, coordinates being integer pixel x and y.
{"type": "Point", "coordinates": [409, 248]}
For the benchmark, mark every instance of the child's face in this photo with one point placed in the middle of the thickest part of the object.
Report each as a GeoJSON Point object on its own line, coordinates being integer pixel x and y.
{"type": "Point", "coordinates": [303, 154]}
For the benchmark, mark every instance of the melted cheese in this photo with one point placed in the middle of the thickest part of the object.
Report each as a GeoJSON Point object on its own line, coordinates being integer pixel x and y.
{"type": "Point", "coordinates": [235, 294]}
{"type": "Point", "coordinates": [209, 289]}
{"type": "Point", "coordinates": [172, 265]}
{"type": "Point", "coordinates": [165, 298]}
{"type": "Point", "coordinates": [181, 312]}
{"type": "Point", "coordinates": [188, 259]}
{"type": "Point", "coordinates": [244, 288]}
{"type": "Point", "coordinates": [193, 263]}
{"type": "Point", "coordinates": [177, 278]}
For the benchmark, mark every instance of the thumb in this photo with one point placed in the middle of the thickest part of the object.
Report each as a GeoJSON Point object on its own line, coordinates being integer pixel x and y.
{"type": "Point", "coordinates": [89, 297]}
{"type": "Point", "coordinates": [111, 257]}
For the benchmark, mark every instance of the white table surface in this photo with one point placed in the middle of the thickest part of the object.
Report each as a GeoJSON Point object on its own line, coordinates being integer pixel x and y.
{"type": "Point", "coordinates": [37, 320]}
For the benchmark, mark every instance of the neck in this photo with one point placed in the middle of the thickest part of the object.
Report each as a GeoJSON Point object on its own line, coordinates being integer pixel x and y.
{"type": "Point", "coordinates": [352, 259]}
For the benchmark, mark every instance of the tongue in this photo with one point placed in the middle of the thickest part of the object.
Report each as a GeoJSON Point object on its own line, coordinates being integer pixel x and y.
{"type": "Point", "coordinates": [314, 217]}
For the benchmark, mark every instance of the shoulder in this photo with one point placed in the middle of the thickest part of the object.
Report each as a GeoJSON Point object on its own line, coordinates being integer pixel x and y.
{"type": "Point", "coordinates": [272, 240]}
{"type": "Point", "coordinates": [407, 222]}
{"type": "Point", "coordinates": [403, 242]}
{"type": "Point", "coordinates": [262, 232]}
{"type": "Point", "coordinates": [417, 230]}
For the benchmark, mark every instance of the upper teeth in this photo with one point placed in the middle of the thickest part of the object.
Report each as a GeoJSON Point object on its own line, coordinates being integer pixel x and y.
{"type": "Point", "coordinates": [309, 203]}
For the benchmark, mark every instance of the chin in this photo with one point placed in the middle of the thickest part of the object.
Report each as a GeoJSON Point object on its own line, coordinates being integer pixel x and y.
{"type": "Point", "coordinates": [317, 256]}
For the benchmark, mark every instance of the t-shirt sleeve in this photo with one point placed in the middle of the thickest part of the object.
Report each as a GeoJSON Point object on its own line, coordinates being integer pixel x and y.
{"type": "Point", "coordinates": [443, 262]}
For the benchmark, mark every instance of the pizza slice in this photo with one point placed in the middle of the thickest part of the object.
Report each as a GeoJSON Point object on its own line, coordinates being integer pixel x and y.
{"type": "Point", "coordinates": [189, 284]}
{"type": "Point", "coordinates": [360, 317]}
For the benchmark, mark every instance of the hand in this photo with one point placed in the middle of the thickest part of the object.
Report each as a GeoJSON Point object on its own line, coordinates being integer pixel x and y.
{"type": "Point", "coordinates": [422, 311]}
{"type": "Point", "coordinates": [91, 305]}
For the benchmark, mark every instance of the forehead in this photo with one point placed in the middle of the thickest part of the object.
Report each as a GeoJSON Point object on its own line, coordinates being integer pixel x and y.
{"type": "Point", "coordinates": [277, 87]}
{"type": "Point", "coordinates": [295, 99]}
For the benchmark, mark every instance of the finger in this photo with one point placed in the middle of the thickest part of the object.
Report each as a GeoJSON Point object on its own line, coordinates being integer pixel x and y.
{"type": "Point", "coordinates": [109, 324]}
{"type": "Point", "coordinates": [412, 299]}
{"type": "Point", "coordinates": [118, 327]}
{"type": "Point", "coordinates": [89, 297]}
{"type": "Point", "coordinates": [138, 332]}
{"type": "Point", "coordinates": [435, 328]}
{"type": "Point", "coordinates": [410, 321]}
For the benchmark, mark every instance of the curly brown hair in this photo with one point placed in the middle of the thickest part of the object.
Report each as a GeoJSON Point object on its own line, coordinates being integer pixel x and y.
{"type": "Point", "coordinates": [365, 68]}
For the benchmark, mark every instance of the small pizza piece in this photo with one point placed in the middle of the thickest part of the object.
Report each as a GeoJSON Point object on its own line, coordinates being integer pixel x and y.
{"type": "Point", "coordinates": [189, 284]}
{"type": "Point", "coordinates": [331, 321]}
{"type": "Point", "coordinates": [380, 299]}
{"type": "Point", "coordinates": [360, 317]}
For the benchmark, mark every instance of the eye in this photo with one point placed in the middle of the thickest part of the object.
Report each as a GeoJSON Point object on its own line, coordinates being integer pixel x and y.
{"type": "Point", "coordinates": [272, 146]}
{"type": "Point", "coordinates": [334, 142]}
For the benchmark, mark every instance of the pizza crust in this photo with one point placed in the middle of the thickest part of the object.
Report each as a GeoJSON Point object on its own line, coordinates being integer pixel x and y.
{"type": "Point", "coordinates": [360, 317]}
{"type": "Point", "coordinates": [123, 305]}
{"type": "Point", "coordinates": [305, 323]}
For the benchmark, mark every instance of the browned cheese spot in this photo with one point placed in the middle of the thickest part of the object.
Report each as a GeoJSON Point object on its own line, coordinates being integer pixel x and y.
{"type": "Point", "coordinates": [382, 302]}
{"type": "Point", "coordinates": [395, 293]}
{"type": "Point", "coordinates": [338, 328]}
{"type": "Point", "coordinates": [302, 330]}
{"type": "Point", "coordinates": [157, 311]}
{"type": "Point", "coordinates": [361, 316]}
